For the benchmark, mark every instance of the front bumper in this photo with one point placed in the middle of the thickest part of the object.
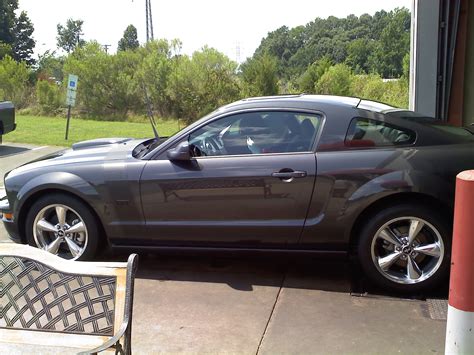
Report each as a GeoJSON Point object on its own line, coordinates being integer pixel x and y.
{"type": "Point", "coordinates": [9, 223]}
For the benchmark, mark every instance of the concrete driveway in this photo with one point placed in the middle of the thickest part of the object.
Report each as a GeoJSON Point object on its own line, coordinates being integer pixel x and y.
{"type": "Point", "coordinates": [268, 306]}
{"type": "Point", "coordinates": [263, 305]}
{"type": "Point", "coordinates": [14, 155]}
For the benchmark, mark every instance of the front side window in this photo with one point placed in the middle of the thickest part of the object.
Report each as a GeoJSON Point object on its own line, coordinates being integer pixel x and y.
{"type": "Point", "coordinates": [256, 133]}
{"type": "Point", "coordinates": [365, 132]}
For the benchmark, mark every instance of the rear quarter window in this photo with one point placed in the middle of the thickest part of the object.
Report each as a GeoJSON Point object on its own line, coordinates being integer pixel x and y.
{"type": "Point", "coordinates": [364, 133]}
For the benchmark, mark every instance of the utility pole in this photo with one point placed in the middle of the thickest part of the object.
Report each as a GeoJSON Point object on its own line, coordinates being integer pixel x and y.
{"type": "Point", "coordinates": [149, 21]}
{"type": "Point", "coordinates": [106, 48]}
{"type": "Point", "coordinates": [237, 52]}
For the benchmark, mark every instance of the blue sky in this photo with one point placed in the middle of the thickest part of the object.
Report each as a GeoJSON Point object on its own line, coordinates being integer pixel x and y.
{"type": "Point", "coordinates": [224, 25]}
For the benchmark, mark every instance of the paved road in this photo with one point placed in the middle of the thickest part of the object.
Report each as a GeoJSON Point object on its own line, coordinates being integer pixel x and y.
{"type": "Point", "coordinates": [13, 155]}
{"type": "Point", "coordinates": [262, 305]}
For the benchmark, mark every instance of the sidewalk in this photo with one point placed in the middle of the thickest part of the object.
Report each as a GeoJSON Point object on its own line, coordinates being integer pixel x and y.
{"type": "Point", "coordinates": [251, 307]}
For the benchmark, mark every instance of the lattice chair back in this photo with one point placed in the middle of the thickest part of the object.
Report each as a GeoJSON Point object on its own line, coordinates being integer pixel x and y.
{"type": "Point", "coordinates": [82, 304]}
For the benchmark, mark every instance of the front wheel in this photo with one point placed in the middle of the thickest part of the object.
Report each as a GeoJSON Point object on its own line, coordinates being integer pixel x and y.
{"type": "Point", "coordinates": [405, 248]}
{"type": "Point", "coordinates": [64, 226]}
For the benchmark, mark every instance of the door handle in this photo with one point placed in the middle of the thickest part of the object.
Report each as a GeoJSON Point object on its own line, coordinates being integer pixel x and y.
{"type": "Point", "coordinates": [289, 174]}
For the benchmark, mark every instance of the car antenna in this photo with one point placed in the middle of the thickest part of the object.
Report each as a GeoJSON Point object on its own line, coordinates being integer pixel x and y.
{"type": "Point", "coordinates": [150, 112]}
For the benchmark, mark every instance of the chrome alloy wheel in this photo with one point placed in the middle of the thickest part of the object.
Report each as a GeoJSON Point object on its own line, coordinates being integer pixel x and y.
{"type": "Point", "coordinates": [60, 230]}
{"type": "Point", "coordinates": [407, 250]}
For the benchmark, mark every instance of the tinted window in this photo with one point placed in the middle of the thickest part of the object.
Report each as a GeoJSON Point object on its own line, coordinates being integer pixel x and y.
{"type": "Point", "coordinates": [256, 133]}
{"type": "Point", "coordinates": [365, 132]}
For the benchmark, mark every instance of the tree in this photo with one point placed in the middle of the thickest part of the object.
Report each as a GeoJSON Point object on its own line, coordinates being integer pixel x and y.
{"type": "Point", "coordinates": [49, 66]}
{"type": "Point", "coordinates": [358, 53]}
{"type": "Point", "coordinates": [24, 43]}
{"type": "Point", "coordinates": [69, 37]}
{"type": "Point", "coordinates": [368, 44]}
{"type": "Point", "coordinates": [394, 43]}
{"type": "Point", "coordinates": [259, 75]}
{"type": "Point", "coordinates": [129, 41]}
{"type": "Point", "coordinates": [5, 49]}
{"type": "Point", "coordinates": [7, 20]}
{"type": "Point", "coordinates": [16, 33]}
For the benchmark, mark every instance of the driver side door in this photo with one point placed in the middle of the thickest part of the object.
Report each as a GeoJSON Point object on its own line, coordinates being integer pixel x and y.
{"type": "Point", "coordinates": [248, 184]}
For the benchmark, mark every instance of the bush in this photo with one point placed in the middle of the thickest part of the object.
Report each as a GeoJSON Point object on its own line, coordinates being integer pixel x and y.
{"type": "Point", "coordinates": [372, 87]}
{"type": "Point", "coordinates": [308, 80]}
{"type": "Point", "coordinates": [335, 81]}
{"type": "Point", "coordinates": [113, 87]}
{"type": "Point", "coordinates": [107, 87]}
{"type": "Point", "coordinates": [155, 71]}
{"type": "Point", "coordinates": [368, 87]}
{"type": "Point", "coordinates": [200, 84]}
{"type": "Point", "coordinates": [396, 93]}
{"type": "Point", "coordinates": [48, 96]}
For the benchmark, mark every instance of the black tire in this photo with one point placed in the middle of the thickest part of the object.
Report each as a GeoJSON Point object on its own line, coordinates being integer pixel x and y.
{"type": "Point", "coordinates": [387, 279]}
{"type": "Point", "coordinates": [76, 207]}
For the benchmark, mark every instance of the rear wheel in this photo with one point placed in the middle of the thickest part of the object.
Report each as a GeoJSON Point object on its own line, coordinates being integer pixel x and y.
{"type": "Point", "coordinates": [64, 226]}
{"type": "Point", "coordinates": [405, 248]}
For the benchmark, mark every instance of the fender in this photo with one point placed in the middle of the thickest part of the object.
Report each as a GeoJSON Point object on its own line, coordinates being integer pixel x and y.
{"type": "Point", "coordinates": [59, 181]}
{"type": "Point", "coordinates": [403, 181]}
{"type": "Point", "coordinates": [393, 183]}
{"type": "Point", "coordinates": [340, 198]}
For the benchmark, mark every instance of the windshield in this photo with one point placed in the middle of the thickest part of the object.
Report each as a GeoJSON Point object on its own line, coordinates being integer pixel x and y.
{"type": "Point", "coordinates": [148, 149]}
{"type": "Point", "coordinates": [140, 150]}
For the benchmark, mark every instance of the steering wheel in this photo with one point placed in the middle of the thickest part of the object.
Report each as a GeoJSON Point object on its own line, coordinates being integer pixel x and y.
{"type": "Point", "coordinates": [210, 146]}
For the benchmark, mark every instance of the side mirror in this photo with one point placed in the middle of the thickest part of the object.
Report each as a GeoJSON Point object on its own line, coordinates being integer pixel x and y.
{"type": "Point", "coordinates": [181, 152]}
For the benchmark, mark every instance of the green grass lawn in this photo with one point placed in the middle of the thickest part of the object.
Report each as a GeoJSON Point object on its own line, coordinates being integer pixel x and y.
{"type": "Point", "coordinates": [40, 130]}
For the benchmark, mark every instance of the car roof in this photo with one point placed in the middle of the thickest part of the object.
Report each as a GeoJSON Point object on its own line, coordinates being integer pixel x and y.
{"type": "Point", "coordinates": [309, 100]}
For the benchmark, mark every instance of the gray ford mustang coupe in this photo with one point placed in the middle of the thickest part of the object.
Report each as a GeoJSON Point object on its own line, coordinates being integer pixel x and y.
{"type": "Point", "coordinates": [301, 174]}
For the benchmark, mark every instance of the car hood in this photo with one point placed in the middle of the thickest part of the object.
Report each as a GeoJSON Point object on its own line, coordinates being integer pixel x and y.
{"type": "Point", "coordinates": [93, 151]}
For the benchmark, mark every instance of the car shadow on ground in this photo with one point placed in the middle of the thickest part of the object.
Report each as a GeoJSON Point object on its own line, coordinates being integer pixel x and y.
{"type": "Point", "coordinates": [243, 273]}
{"type": "Point", "coordinates": [6, 151]}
